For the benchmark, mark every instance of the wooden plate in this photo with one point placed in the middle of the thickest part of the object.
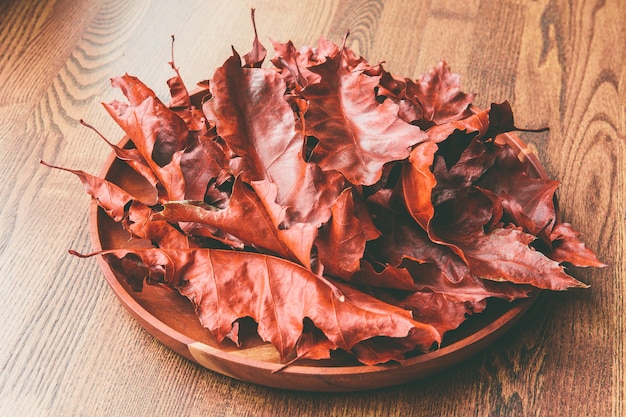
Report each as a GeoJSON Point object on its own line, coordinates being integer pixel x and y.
{"type": "Point", "coordinates": [170, 318]}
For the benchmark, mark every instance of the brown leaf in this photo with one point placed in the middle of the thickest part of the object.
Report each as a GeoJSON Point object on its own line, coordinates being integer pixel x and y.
{"type": "Point", "coordinates": [434, 308]}
{"type": "Point", "coordinates": [109, 196]}
{"type": "Point", "coordinates": [505, 255]}
{"type": "Point", "coordinates": [296, 64]}
{"type": "Point", "coordinates": [225, 286]}
{"type": "Point", "coordinates": [434, 267]}
{"type": "Point", "coordinates": [527, 202]}
{"type": "Point", "coordinates": [418, 182]}
{"type": "Point", "coordinates": [253, 217]}
{"type": "Point", "coordinates": [262, 134]}
{"type": "Point", "coordinates": [157, 132]}
{"type": "Point", "coordinates": [255, 58]}
{"type": "Point", "coordinates": [159, 233]}
{"type": "Point", "coordinates": [357, 135]}
{"type": "Point", "coordinates": [381, 275]}
{"type": "Point", "coordinates": [341, 242]}
{"type": "Point", "coordinates": [433, 99]}
{"type": "Point", "coordinates": [439, 95]}
{"type": "Point", "coordinates": [130, 156]}
{"type": "Point", "coordinates": [202, 162]}
{"type": "Point", "coordinates": [567, 247]}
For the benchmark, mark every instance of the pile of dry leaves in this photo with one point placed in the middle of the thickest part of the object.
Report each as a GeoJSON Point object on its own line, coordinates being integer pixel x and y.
{"type": "Point", "coordinates": [335, 204]}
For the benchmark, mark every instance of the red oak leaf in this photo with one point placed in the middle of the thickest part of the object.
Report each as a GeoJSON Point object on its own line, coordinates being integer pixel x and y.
{"type": "Point", "coordinates": [381, 275]}
{"type": "Point", "coordinates": [255, 58]}
{"type": "Point", "coordinates": [341, 242]}
{"type": "Point", "coordinates": [421, 189]}
{"type": "Point", "coordinates": [157, 132]}
{"type": "Point", "coordinates": [418, 182]}
{"type": "Point", "coordinates": [261, 229]}
{"type": "Point", "coordinates": [202, 162]}
{"type": "Point", "coordinates": [505, 255]}
{"type": "Point", "coordinates": [159, 233]}
{"type": "Point", "coordinates": [433, 267]}
{"type": "Point", "coordinates": [130, 156]}
{"type": "Point", "coordinates": [295, 64]}
{"type": "Point", "coordinates": [435, 98]}
{"type": "Point", "coordinates": [357, 135]}
{"type": "Point", "coordinates": [434, 308]}
{"type": "Point", "coordinates": [262, 133]}
{"type": "Point", "coordinates": [112, 198]}
{"type": "Point", "coordinates": [440, 96]}
{"type": "Point", "coordinates": [527, 201]}
{"type": "Point", "coordinates": [225, 286]}
{"type": "Point", "coordinates": [567, 247]}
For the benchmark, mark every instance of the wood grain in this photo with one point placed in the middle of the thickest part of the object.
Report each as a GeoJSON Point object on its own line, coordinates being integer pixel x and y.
{"type": "Point", "coordinates": [69, 348]}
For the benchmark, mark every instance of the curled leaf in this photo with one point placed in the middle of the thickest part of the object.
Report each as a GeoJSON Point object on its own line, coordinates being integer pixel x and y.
{"type": "Point", "coordinates": [225, 286]}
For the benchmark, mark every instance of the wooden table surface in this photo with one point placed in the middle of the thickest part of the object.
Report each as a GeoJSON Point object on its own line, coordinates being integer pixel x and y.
{"type": "Point", "coordinates": [68, 347]}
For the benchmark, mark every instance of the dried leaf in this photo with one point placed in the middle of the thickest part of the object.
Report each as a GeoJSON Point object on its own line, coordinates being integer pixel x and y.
{"type": "Point", "coordinates": [225, 286]}
{"type": "Point", "coordinates": [251, 216]}
{"type": "Point", "coordinates": [357, 135]}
